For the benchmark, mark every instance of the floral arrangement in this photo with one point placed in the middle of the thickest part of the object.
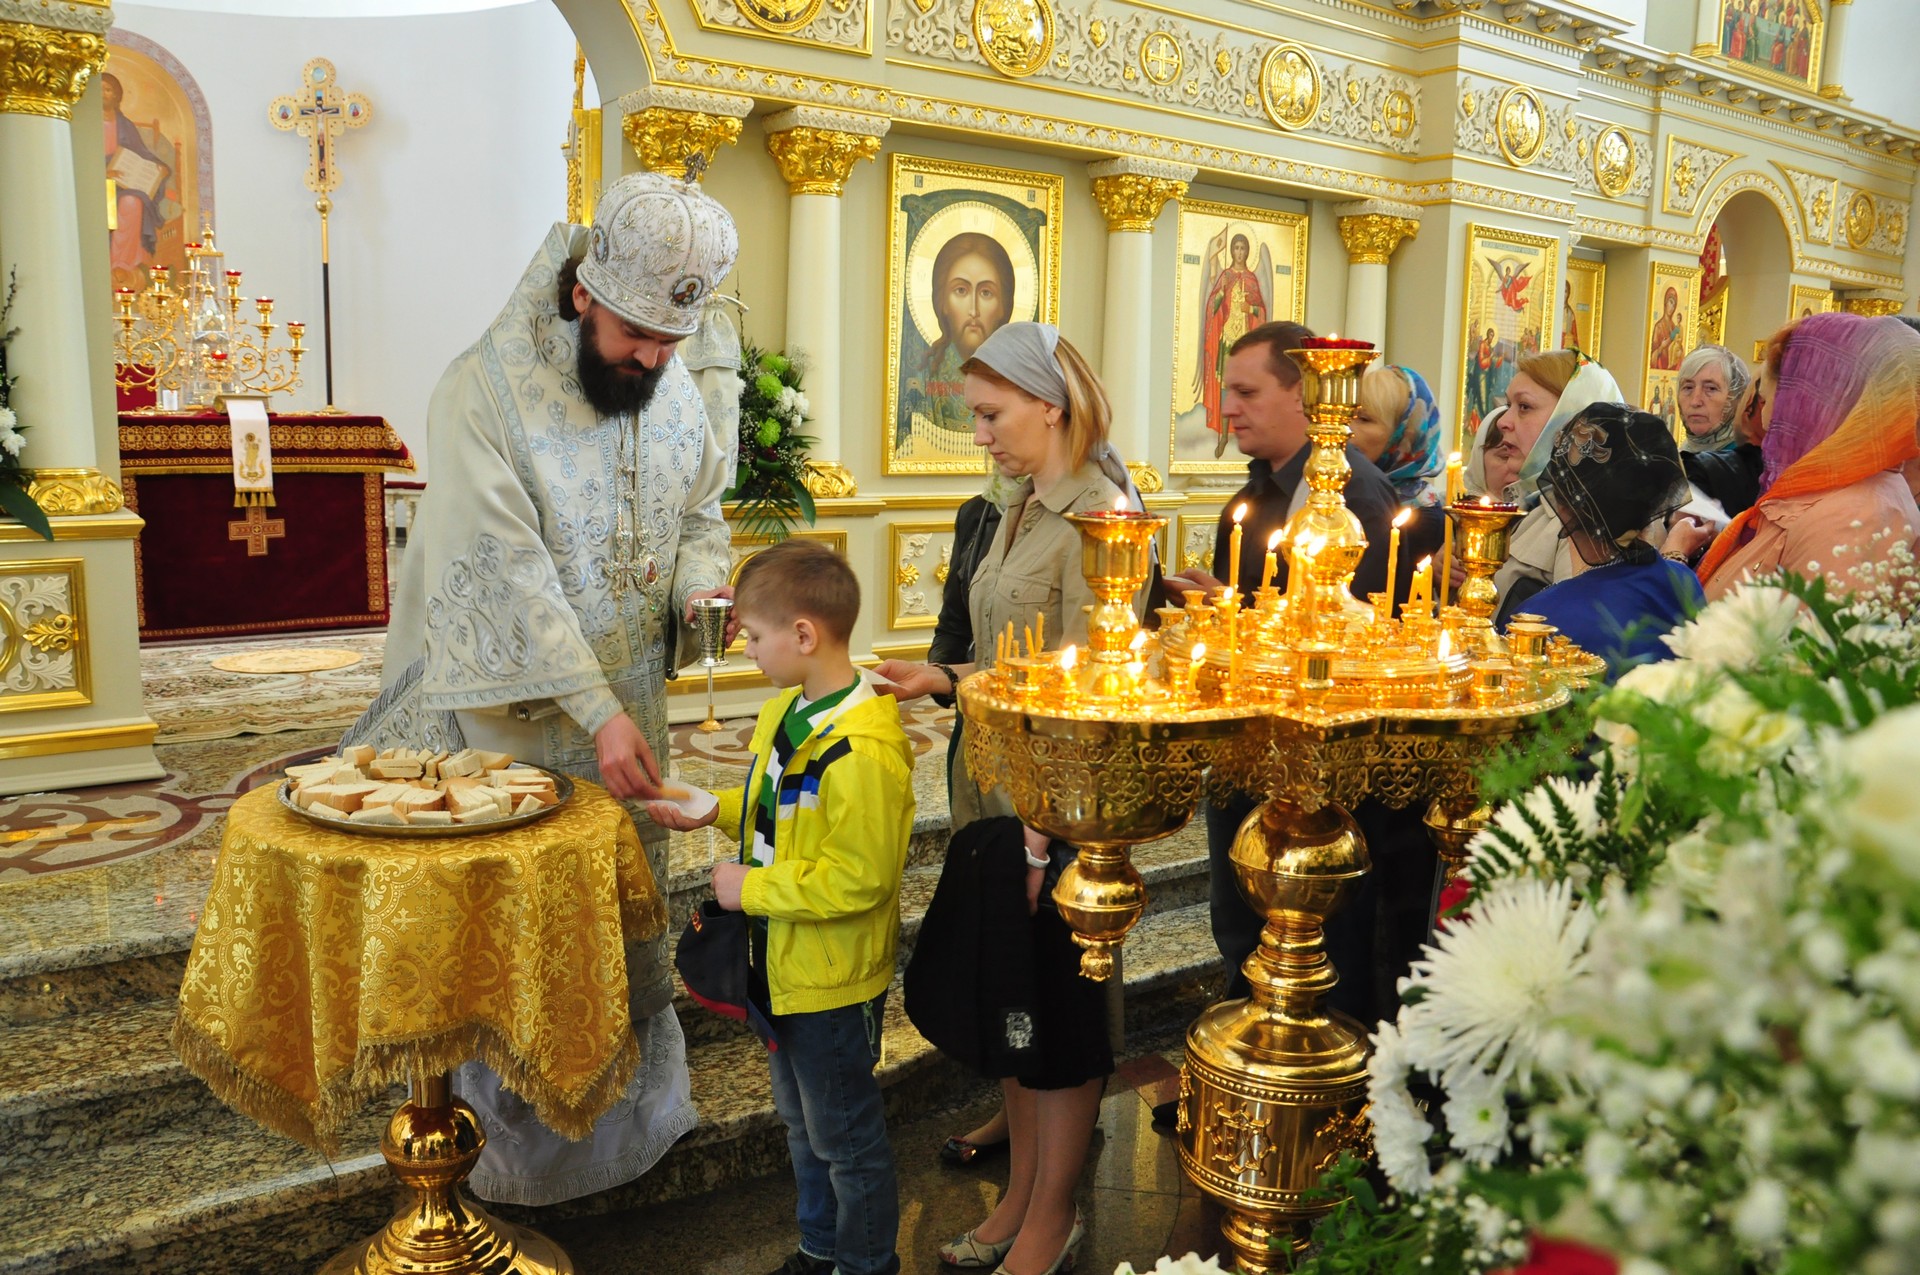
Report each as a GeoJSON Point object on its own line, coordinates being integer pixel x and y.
{"type": "Point", "coordinates": [770, 483]}
{"type": "Point", "coordinates": [1675, 1026]}
{"type": "Point", "coordinates": [15, 500]}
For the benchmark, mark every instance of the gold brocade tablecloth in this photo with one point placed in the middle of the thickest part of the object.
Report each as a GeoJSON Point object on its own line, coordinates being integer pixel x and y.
{"type": "Point", "coordinates": [328, 965]}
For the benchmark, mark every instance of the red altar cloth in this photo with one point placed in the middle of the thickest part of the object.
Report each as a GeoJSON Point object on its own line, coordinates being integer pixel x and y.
{"type": "Point", "coordinates": [324, 563]}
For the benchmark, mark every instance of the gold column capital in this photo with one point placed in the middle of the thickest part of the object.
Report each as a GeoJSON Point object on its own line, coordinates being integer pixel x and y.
{"type": "Point", "coordinates": [1146, 477]}
{"type": "Point", "coordinates": [1372, 237]}
{"type": "Point", "coordinates": [818, 161]}
{"type": "Point", "coordinates": [666, 137]}
{"type": "Point", "coordinates": [1132, 201]}
{"type": "Point", "coordinates": [65, 493]}
{"type": "Point", "coordinates": [829, 480]}
{"type": "Point", "coordinates": [44, 70]}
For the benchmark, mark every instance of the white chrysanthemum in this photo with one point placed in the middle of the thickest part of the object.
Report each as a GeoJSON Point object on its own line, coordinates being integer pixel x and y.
{"type": "Point", "coordinates": [1496, 980]}
{"type": "Point", "coordinates": [1884, 813]}
{"type": "Point", "coordinates": [1400, 1132]}
{"type": "Point", "coordinates": [1745, 734]}
{"type": "Point", "coordinates": [1511, 818]}
{"type": "Point", "coordinates": [1476, 1115]}
{"type": "Point", "coordinates": [7, 419]}
{"type": "Point", "coordinates": [1740, 630]}
{"type": "Point", "coordinates": [1761, 1216]}
{"type": "Point", "coordinates": [11, 440]}
{"type": "Point", "coordinates": [1663, 682]}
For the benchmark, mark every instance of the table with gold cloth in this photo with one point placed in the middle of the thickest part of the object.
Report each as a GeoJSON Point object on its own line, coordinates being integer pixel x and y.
{"type": "Point", "coordinates": [329, 966]}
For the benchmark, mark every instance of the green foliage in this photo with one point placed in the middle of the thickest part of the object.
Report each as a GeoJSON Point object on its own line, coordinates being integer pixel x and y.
{"type": "Point", "coordinates": [15, 501]}
{"type": "Point", "coordinates": [769, 483]}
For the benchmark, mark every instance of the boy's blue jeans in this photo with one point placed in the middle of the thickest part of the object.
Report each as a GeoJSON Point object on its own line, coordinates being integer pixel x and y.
{"type": "Point", "coordinates": [824, 1088]}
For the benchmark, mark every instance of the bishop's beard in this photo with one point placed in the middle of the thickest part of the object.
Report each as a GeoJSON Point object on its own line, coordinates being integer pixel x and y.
{"type": "Point", "coordinates": [613, 388]}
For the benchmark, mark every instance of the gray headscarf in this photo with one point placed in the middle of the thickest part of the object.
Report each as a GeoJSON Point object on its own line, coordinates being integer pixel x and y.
{"type": "Point", "coordinates": [1023, 354]}
{"type": "Point", "coordinates": [1737, 378]}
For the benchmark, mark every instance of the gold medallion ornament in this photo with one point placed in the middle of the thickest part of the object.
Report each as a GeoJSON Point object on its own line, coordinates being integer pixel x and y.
{"type": "Point", "coordinates": [43, 70]}
{"type": "Point", "coordinates": [1290, 86]}
{"type": "Point", "coordinates": [1520, 125]}
{"type": "Point", "coordinates": [1160, 58]}
{"type": "Point", "coordinates": [1015, 36]}
{"type": "Point", "coordinates": [778, 15]}
{"type": "Point", "coordinates": [1613, 162]}
{"type": "Point", "coordinates": [1862, 216]}
{"type": "Point", "coordinates": [1396, 112]}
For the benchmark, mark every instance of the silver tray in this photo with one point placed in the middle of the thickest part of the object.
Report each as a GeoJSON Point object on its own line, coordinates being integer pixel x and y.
{"type": "Point", "coordinates": [562, 791]}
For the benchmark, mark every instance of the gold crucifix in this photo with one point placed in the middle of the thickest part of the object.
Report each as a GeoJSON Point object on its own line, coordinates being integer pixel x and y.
{"type": "Point", "coordinates": [256, 529]}
{"type": "Point", "coordinates": [320, 112]}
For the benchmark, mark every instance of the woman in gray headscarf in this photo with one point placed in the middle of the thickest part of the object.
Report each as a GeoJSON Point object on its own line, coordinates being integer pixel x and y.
{"type": "Point", "coordinates": [1712, 383]}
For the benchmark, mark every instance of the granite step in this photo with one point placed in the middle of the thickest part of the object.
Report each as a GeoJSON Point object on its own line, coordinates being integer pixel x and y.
{"type": "Point", "coordinates": [210, 1182]}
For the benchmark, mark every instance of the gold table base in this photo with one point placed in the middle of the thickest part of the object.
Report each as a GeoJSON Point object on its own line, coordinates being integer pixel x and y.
{"type": "Point", "coordinates": [431, 1148]}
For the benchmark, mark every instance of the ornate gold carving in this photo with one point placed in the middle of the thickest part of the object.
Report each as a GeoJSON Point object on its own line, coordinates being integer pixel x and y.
{"type": "Point", "coordinates": [830, 480]}
{"type": "Point", "coordinates": [1372, 237]}
{"type": "Point", "coordinates": [1146, 477]}
{"type": "Point", "coordinates": [1872, 307]}
{"type": "Point", "coordinates": [1344, 1131]}
{"type": "Point", "coordinates": [1290, 86]}
{"type": "Point", "coordinates": [44, 70]}
{"type": "Point", "coordinates": [1015, 36]}
{"type": "Point", "coordinates": [1132, 201]}
{"type": "Point", "coordinates": [1822, 207]}
{"type": "Point", "coordinates": [778, 16]}
{"type": "Point", "coordinates": [912, 602]}
{"type": "Point", "coordinates": [1097, 32]}
{"type": "Point", "coordinates": [1397, 113]}
{"type": "Point", "coordinates": [1223, 63]}
{"type": "Point", "coordinates": [43, 647]}
{"type": "Point", "coordinates": [1160, 58]}
{"type": "Point", "coordinates": [65, 493]}
{"type": "Point", "coordinates": [1520, 124]}
{"type": "Point", "coordinates": [1862, 217]}
{"type": "Point", "coordinates": [1691, 167]}
{"type": "Point", "coordinates": [1612, 161]}
{"type": "Point", "coordinates": [818, 161]}
{"type": "Point", "coordinates": [665, 137]}
{"type": "Point", "coordinates": [945, 568]}
{"type": "Point", "coordinates": [907, 573]}
{"type": "Point", "coordinates": [1242, 1140]}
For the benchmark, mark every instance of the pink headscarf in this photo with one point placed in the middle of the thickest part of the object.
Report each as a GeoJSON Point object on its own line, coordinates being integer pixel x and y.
{"type": "Point", "coordinates": [1823, 372]}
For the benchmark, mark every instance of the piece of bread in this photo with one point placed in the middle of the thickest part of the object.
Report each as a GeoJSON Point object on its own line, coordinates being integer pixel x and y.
{"type": "Point", "coordinates": [378, 815]}
{"type": "Point", "coordinates": [346, 798]}
{"type": "Point", "coordinates": [466, 801]}
{"type": "Point", "coordinates": [392, 769]}
{"type": "Point", "coordinates": [427, 818]}
{"type": "Point", "coordinates": [328, 812]}
{"type": "Point", "coordinates": [414, 799]}
{"type": "Point", "coordinates": [485, 815]}
{"type": "Point", "coordinates": [528, 805]}
{"type": "Point", "coordinates": [493, 761]}
{"type": "Point", "coordinates": [358, 755]}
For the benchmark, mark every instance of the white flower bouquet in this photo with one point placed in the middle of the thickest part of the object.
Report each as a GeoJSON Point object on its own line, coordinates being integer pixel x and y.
{"type": "Point", "coordinates": [1676, 1027]}
{"type": "Point", "coordinates": [16, 501]}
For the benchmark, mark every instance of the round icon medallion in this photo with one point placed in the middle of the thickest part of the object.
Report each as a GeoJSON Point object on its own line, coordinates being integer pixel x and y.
{"type": "Point", "coordinates": [1613, 162]}
{"type": "Point", "coordinates": [1015, 36]}
{"type": "Point", "coordinates": [1290, 86]}
{"type": "Point", "coordinates": [1520, 125]}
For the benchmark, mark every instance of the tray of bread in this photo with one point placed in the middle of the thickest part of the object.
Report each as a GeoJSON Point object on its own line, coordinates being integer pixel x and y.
{"type": "Point", "coordinates": [417, 792]}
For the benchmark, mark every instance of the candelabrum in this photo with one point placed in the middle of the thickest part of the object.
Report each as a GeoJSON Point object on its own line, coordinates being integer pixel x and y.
{"type": "Point", "coordinates": [187, 342]}
{"type": "Point", "coordinates": [1306, 700]}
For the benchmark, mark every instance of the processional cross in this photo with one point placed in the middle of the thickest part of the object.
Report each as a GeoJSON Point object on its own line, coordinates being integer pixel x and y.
{"type": "Point", "coordinates": [321, 112]}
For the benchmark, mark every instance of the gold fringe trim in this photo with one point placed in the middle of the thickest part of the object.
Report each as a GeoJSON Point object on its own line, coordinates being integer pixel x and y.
{"type": "Point", "coordinates": [317, 1125]}
{"type": "Point", "coordinates": [247, 499]}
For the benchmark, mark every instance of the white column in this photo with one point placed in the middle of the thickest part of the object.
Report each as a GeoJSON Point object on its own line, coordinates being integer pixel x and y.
{"type": "Point", "coordinates": [1706, 31]}
{"type": "Point", "coordinates": [1131, 194]}
{"type": "Point", "coordinates": [47, 71]}
{"type": "Point", "coordinates": [1833, 50]}
{"type": "Point", "coordinates": [816, 151]}
{"type": "Point", "coordinates": [1371, 230]}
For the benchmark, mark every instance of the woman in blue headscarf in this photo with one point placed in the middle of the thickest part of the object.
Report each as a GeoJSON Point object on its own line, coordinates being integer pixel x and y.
{"type": "Point", "coordinates": [1397, 427]}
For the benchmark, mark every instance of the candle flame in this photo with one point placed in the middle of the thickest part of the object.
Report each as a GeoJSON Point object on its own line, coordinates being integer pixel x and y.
{"type": "Point", "coordinates": [1273, 541]}
{"type": "Point", "coordinates": [1199, 652]}
{"type": "Point", "coordinates": [1120, 503]}
{"type": "Point", "coordinates": [1446, 644]}
{"type": "Point", "coordinates": [1487, 501]}
{"type": "Point", "coordinates": [1426, 563]}
{"type": "Point", "coordinates": [1333, 336]}
{"type": "Point", "coordinates": [1139, 640]}
{"type": "Point", "coordinates": [1135, 669]}
{"type": "Point", "coordinates": [1239, 512]}
{"type": "Point", "coordinates": [1068, 654]}
{"type": "Point", "coordinates": [1453, 458]}
{"type": "Point", "coordinates": [1400, 519]}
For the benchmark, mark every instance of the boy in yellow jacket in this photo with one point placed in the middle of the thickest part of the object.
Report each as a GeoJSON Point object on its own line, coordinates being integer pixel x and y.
{"type": "Point", "coordinates": [823, 822]}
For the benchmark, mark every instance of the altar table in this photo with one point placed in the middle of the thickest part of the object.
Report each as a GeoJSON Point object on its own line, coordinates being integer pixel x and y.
{"type": "Point", "coordinates": [329, 965]}
{"type": "Point", "coordinates": [315, 559]}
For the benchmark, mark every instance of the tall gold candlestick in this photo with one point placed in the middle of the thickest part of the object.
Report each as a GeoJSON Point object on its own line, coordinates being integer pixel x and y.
{"type": "Point", "coordinates": [1233, 554]}
{"type": "Point", "coordinates": [1273, 564]}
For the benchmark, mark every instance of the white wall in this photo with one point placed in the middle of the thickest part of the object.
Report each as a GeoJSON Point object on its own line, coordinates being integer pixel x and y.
{"type": "Point", "coordinates": [1877, 70]}
{"type": "Point", "coordinates": [444, 194]}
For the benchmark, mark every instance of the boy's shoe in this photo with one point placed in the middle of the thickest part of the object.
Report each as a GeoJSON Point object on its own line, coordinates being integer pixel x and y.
{"type": "Point", "coordinates": [804, 1263]}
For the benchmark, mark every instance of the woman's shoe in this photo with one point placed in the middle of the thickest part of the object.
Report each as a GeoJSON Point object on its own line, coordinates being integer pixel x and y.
{"type": "Point", "coordinates": [1068, 1254]}
{"type": "Point", "coordinates": [960, 1153]}
{"type": "Point", "coordinates": [978, 1255]}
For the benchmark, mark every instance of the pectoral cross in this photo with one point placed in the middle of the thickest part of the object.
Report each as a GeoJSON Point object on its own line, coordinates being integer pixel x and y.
{"type": "Point", "coordinates": [320, 113]}
{"type": "Point", "coordinates": [256, 529]}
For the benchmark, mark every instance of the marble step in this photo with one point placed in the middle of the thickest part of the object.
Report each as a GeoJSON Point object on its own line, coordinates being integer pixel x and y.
{"type": "Point", "coordinates": [74, 1080]}
{"type": "Point", "coordinates": [210, 1186]}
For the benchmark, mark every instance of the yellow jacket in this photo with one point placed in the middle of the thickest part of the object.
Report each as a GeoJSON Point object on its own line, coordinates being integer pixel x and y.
{"type": "Point", "coordinates": [844, 815]}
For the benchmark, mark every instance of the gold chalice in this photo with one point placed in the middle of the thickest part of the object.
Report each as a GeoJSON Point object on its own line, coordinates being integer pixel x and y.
{"type": "Point", "coordinates": [1484, 527]}
{"type": "Point", "coordinates": [1116, 556]}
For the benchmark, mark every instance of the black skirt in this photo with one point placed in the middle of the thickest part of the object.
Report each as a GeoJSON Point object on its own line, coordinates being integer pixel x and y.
{"type": "Point", "coordinates": [996, 988]}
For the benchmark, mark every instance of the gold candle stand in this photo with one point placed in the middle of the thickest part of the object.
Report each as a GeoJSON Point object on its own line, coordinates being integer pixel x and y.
{"type": "Point", "coordinates": [431, 1145]}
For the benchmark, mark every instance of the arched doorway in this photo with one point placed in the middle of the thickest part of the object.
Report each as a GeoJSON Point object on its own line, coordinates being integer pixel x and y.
{"type": "Point", "coordinates": [1756, 260]}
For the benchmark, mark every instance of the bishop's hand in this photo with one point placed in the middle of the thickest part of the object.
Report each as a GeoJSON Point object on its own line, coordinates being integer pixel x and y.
{"type": "Point", "coordinates": [733, 620]}
{"type": "Point", "coordinates": [626, 761]}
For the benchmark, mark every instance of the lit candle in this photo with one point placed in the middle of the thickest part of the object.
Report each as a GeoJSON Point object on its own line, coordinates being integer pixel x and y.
{"type": "Point", "coordinates": [1456, 479]}
{"type": "Point", "coordinates": [1420, 600]}
{"type": "Point", "coordinates": [1069, 656]}
{"type": "Point", "coordinates": [1446, 560]}
{"type": "Point", "coordinates": [1393, 557]}
{"type": "Point", "coordinates": [1233, 555]}
{"type": "Point", "coordinates": [1194, 660]}
{"type": "Point", "coordinates": [1273, 562]}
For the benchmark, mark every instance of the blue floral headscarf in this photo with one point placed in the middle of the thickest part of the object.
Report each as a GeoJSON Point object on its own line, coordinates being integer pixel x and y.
{"type": "Point", "coordinates": [1413, 456]}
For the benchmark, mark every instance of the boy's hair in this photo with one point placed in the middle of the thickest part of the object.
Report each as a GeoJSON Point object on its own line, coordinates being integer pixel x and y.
{"type": "Point", "coordinates": [800, 578]}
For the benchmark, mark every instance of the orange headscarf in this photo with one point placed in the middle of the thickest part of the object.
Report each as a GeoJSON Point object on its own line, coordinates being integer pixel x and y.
{"type": "Point", "coordinates": [1857, 382]}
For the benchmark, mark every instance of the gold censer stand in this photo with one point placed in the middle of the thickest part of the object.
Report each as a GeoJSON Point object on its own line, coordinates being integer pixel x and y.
{"type": "Point", "coordinates": [432, 1144]}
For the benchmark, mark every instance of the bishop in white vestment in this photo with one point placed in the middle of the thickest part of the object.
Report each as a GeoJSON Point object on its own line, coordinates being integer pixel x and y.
{"type": "Point", "coordinates": [573, 512]}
